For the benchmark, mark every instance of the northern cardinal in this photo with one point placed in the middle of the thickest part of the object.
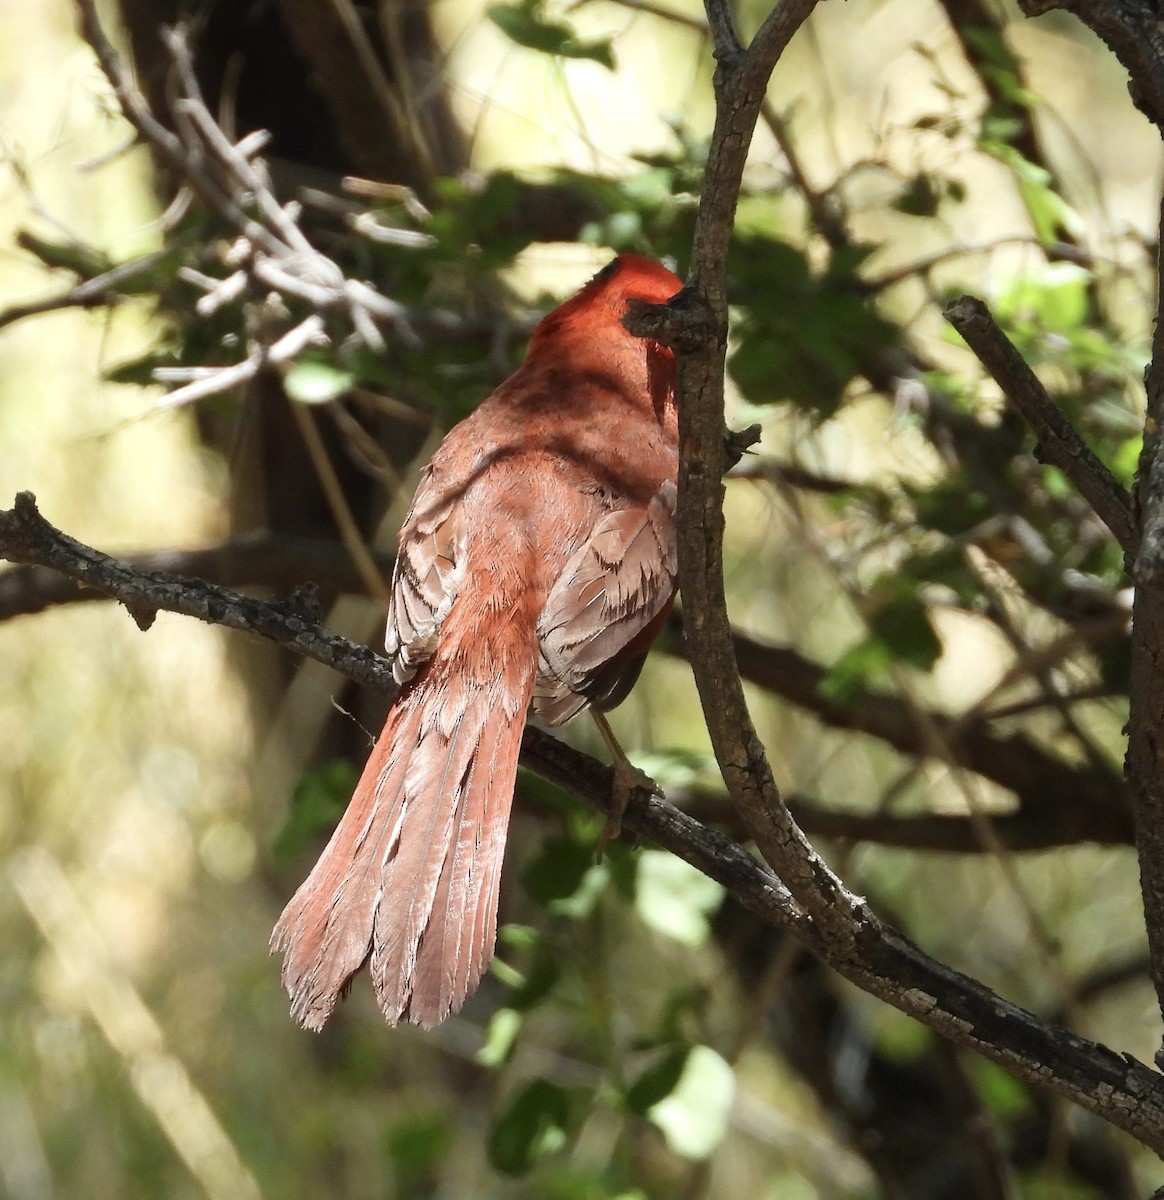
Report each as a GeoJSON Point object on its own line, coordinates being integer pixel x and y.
{"type": "Point", "coordinates": [535, 567]}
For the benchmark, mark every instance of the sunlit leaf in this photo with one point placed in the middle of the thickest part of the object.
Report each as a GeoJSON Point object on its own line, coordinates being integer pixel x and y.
{"type": "Point", "coordinates": [1055, 294]}
{"type": "Point", "coordinates": [523, 23]}
{"type": "Point", "coordinates": [500, 1036]}
{"type": "Point", "coordinates": [312, 382]}
{"type": "Point", "coordinates": [694, 1117]}
{"type": "Point", "coordinates": [674, 898]}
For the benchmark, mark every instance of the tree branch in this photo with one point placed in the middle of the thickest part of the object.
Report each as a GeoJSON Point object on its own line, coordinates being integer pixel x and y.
{"type": "Point", "coordinates": [1057, 442]}
{"type": "Point", "coordinates": [1145, 757]}
{"type": "Point", "coordinates": [880, 960]}
{"type": "Point", "coordinates": [1089, 803]}
{"type": "Point", "coordinates": [259, 559]}
{"type": "Point", "coordinates": [699, 332]}
{"type": "Point", "coordinates": [1132, 31]}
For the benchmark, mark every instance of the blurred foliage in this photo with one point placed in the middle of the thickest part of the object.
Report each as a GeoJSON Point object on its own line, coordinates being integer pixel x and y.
{"type": "Point", "coordinates": [893, 527]}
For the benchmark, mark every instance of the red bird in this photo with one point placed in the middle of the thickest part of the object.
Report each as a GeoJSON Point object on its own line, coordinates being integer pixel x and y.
{"type": "Point", "coordinates": [535, 568]}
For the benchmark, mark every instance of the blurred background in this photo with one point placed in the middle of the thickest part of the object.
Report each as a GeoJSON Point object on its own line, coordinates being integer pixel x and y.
{"type": "Point", "coordinates": [932, 625]}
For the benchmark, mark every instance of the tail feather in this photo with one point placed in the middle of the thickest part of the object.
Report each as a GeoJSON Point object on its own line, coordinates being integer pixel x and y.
{"type": "Point", "coordinates": [447, 957]}
{"type": "Point", "coordinates": [410, 877]}
{"type": "Point", "coordinates": [325, 930]}
{"type": "Point", "coordinates": [432, 787]}
{"type": "Point", "coordinates": [465, 910]}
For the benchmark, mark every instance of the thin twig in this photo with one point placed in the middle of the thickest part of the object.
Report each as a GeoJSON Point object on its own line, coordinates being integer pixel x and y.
{"type": "Point", "coordinates": [1057, 441]}
{"type": "Point", "coordinates": [220, 380]}
{"type": "Point", "coordinates": [99, 291]}
{"type": "Point", "coordinates": [369, 570]}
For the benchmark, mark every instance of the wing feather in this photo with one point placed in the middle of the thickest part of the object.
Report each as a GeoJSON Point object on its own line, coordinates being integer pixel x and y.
{"type": "Point", "coordinates": [610, 591]}
{"type": "Point", "coordinates": [430, 565]}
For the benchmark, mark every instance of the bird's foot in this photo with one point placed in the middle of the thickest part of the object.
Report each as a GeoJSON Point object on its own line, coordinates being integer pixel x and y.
{"type": "Point", "coordinates": [626, 779]}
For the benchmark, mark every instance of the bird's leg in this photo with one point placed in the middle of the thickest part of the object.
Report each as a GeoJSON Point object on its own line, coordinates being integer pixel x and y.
{"type": "Point", "coordinates": [627, 780]}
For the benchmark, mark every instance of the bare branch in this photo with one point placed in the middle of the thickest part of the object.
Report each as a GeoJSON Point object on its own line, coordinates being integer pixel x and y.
{"type": "Point", "coordinates": [741, 79]}
{"type": "Point", "coordinates": [260, 559]}
{"type": "Point", "coordinates": [1145, 757]}
{"type": "Point", "coordinates": [26, 537]}
{"type": "Point", "coordinates": [1057, 441]}
{"type": "Point", "coordinates": [722, 26]}
{"type": "Point", "coordinates": [878, 959]}
{"type": "Point", "coordinates": [1133, 32]}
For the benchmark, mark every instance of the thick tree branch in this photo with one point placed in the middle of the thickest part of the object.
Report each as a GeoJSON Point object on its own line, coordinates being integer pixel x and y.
{"type": "Point", "coordinates": [1076, 803]}
{"type": "Point", "coordinates": [1057, 442]}
{"type": "Point", "coordinates": [1145, 757]}
{"type": "Point", "coordinates": [1133, 32]}
{"type": "Point", "coordinates": [878, 958]}
{"type": "Point", "coordinates": [260, 559]}
{"type": "Point", "coordinates": [700, 334]}
{"type": "Point", "coordinates": [26, 537]}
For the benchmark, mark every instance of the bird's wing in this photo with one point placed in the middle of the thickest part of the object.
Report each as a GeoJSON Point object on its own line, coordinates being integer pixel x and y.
{"type": "Point", "coordinates": [429, 566]}
{"type": "Point", "coordinates": [605, 608]}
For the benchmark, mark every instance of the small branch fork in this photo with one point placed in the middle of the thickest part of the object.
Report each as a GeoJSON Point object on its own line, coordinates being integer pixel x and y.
{"type": "Point", "coordinates": [270, 252]}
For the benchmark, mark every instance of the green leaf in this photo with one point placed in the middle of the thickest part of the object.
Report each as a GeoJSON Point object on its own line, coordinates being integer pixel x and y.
{"type": "Point", "coordinates": [674, 898]}
{"type": "Point", "coordinates": [558, 870]}
{"type": "Point", "coordinates": [1005, 1096]}
{"type": "Point", "coordinates": [312, 382]}
{"type": "Point", "coordinates": [799, 336]}
{"type": "Point", "coordinates": [855, 669]}
{"type": "Point", "coordinates": [523, 23]}
{"type": "Point", "coordinates": [990, 45]}
{"type": "Point", "coordinates": [500, 1036]}
{"type": "Point", "coordinates": [319, 801]}
{"type": "Point", "coordinates": [694, 1117]}
{"type": "Point", "coordinates": [1126, 460]}
{"type": "Point", "coordinates": [82, 260]}
{"type": "Point", "coordinates": [1048, 211]}
{"type": "Point", "coordinates": [903, 625]}
{"type": "Point", "coordinates": [947, 566]}
{"type": "Point", "coordinates": [1054, 294]}
{"type": "Point", "coordinates": [532, 1126]}
{"type": "Point", "coordinates": [901, 1039]}
{"type": "Point", "coordinates": [536, 982]}
{"type": "Point", "coordinates": [952, 506]}
{"type": "Point", "coordinates": [658, 1081]}
{"type": "Point", "coordinates": [140, 371]}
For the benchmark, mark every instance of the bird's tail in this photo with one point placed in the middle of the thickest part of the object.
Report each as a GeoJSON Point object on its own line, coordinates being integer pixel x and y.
{"type": "Point", "coordinates": [409, 880]}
